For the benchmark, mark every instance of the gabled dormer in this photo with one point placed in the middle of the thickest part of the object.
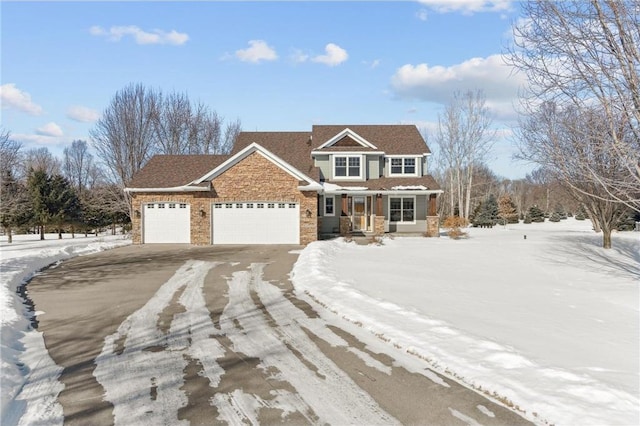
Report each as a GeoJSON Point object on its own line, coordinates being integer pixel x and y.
{"type": "Point", "coordinates": [347, 156]}
{"type": "Point", "coordinates": [347, 138]}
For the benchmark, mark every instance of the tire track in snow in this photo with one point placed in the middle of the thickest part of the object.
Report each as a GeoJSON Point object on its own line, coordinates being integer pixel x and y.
{"type": "Point", "coordinates": [142, 377]}
{"type": "Point", "coordinates": [330, 392]}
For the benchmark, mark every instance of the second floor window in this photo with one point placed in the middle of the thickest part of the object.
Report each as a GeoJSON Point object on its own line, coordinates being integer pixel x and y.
{"type": "Point", "coordinates": [403, 166]}
{"type": "Point", "coordinates": [346, 166]}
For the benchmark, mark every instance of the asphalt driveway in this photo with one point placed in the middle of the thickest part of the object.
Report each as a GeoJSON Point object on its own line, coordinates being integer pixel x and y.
{"type": "Point", "coordinates": [212, 335]}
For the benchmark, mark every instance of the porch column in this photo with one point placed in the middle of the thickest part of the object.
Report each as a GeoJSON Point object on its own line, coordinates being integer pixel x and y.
{"type": "Point", "coordinates": [433, 211]}
{"type": "Point", "coordinates": [345, 220]}
{"type": "Point", "coordinates": [378, 219]}
{"type": "Point", "coordinates": [433, 221]}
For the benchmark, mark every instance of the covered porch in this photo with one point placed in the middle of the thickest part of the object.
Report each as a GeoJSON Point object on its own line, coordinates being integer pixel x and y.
{"type": "Point", "coordinates": [378, 212]}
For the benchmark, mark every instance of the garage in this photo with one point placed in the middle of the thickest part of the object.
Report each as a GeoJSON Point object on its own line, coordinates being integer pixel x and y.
{"type": "Point", "coordinates": [258, 222]}
{"type": "Point", "coordinates": [166, 222]}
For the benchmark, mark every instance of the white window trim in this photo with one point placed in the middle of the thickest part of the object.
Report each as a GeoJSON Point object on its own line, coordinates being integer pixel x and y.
{"type": "Point", "coordinates": [415, 206]}
{"type": "Point", "coordinates": [347, 156]}
{"type": "Point", "coordinates": [324, 206]}
{"type": "Point", "coordinates": [417, 164]}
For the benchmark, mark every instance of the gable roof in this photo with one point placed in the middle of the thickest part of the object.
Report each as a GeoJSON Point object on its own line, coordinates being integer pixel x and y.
{"type": "Point", "coordinates": [169, 171]}
{"type": "Point", "coordinates": [244, 153]}
{"type": "Point", "coordinates": [351, 138]}
{"type": "Point", "coordinates": [292, 147]}
{"type": "Point", "coordinates": [393, 139]}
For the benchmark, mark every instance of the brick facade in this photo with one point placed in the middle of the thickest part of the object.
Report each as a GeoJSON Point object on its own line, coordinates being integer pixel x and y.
{"type": "Point", "coordinates": [254, 178]}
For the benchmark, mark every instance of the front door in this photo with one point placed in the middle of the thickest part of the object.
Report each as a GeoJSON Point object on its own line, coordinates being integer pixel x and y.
{"type": "Point", "coordinates": [359, 214]}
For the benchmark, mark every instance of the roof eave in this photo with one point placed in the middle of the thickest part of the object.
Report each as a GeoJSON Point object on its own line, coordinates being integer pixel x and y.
{"type": "Point", "coordinates": [170, 189]}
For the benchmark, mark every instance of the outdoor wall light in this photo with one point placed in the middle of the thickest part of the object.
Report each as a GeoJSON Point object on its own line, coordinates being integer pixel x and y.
{"type": "Point", "coordinates": [203, 213]}
{"type": "Point", "coordinates": [308, 213]}
{"type": "Point", "coordinates": [137, 214]}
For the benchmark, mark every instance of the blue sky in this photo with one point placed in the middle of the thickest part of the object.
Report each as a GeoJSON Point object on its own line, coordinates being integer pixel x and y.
{"type": "Point", "coordinates": [273, 65]}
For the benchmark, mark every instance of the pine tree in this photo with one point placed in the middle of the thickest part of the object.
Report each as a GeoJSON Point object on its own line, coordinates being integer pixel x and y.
{"type": "Point", "coordinates": [487, 214]}
{"type": "Point", "coordinates": [555, 217]}
{"type": "Point", "coordinates": [53, 199]}
{"type": "Point", "coordinates": [64, 203]}
{"type": "Point", "coordinates": [507, 210]}
{"type": "Point", "coordinates": [535, 214]}
{"type": "Point", "coordinates": [15, 207]}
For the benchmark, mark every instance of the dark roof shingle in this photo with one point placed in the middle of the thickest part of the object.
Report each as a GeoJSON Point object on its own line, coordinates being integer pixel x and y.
{"type": "Point", "coordinates": [168, 171]}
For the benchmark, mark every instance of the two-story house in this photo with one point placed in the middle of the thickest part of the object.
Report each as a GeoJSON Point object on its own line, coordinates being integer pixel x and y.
{"type": "Point", "coordinates": [290, 188]}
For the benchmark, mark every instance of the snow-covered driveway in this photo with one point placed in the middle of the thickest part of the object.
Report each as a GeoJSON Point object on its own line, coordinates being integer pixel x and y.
{"type": "Point", "coordinates": [166, 335]}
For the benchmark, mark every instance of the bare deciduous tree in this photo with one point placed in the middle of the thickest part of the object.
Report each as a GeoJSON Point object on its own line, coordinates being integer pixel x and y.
{"type": "Point", "coordinates": [141, 122]}
{"type": "Point", "coordinates": [40, 159]}
{"type": "Point", "coordinates": [464, 138]}
{"type": "Point", "coordinates": [9, 152]}
{"type": "Point", "coordinates": [572, 143]}
{"type": "Point", "coordinates": [183, 128]}
{"type": "Point", "coordinates": [123, 136]}
{"type": "Point", "coordinates": [78, 166]}
{"type": "Point", "coordinates": [585, 55]}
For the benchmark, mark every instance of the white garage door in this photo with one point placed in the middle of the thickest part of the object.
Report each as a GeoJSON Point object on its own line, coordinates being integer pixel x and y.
{"type": "Point", "coordinates": [166, 223]}
{"type": "Point", "coordinates": [256, 223]}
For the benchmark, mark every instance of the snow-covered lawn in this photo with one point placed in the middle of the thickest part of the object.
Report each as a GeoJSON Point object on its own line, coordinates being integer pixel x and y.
{"type": "Point", "coordinates": [548, 323]}
{"type": "Point", "coordinates": [29, 384]}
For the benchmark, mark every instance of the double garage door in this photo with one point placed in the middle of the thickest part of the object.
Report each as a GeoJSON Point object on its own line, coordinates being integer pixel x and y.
{"type": "Point", "coordinates": [256, 223]}
{"type": "Point", "coordinates": [232, 223]}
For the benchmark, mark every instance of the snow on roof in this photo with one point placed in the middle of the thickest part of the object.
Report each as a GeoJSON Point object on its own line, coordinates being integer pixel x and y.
{"type": "Point", "coordinates": [330, 187]}
{"type": "Point", "coordinates": [409, 188]}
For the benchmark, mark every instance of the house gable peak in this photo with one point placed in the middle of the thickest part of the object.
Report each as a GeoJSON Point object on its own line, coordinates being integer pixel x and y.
{"type": "Point", "coordinates": [347, 138]}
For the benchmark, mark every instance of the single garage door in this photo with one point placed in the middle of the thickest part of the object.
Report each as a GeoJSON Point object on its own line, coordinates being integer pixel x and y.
{"type": "Point", "coordinates": [166, 223]}
{"type": "Point", "coordinates": [256, 223]}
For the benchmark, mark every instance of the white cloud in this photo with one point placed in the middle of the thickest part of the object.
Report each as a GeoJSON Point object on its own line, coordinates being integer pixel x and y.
{"type": "Point", "coordinates": [422, 14]}
{"type": "Point", "coordinates": [298, 56]}
{"type": "Point", "coordinates": [50, 129]}
{"type": "Point", "coordinates": [438, 83]}
{"type": "Point", "coordinates": [257, 51]}
{"type": "Point", "coordinates": [12, 97]}
{"type": "Point", "coordinates": [82, 114]}
{"type": "Point", "coordinates": [468, 6]}
{"type": "Point", "coordinates": [140, 36]}
{"type": "Point", "coordinates": [335, 55]}
{"type": "Point", "coordinates": [34, 139]}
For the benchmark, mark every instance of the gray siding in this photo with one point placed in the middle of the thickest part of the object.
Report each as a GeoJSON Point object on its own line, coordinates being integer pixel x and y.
{"type": "Point", "coordinates": [420, 215]}
{"type": "Point", "coordinates": [331, 225]}
{"type": "Point", "coordinates": [373, 166]}
{"type": "Point", "coordinates": [324, 163]}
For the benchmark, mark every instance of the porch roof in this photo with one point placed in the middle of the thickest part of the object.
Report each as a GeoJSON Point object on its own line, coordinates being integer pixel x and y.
{"type": "Point", "coordinates": [384, 184]}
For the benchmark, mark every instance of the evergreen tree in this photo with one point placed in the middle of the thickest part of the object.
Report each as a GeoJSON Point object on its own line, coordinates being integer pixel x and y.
{"type": "Point", "coordinates": [581, 215]}
{"type": "Point", "coordinates": [559, 211]}
{"type": "Point", "coordinates": [63, 201]}
{"type": "Point", "coordinates": [53, 199]}
{"type": "Point", "coordinates": [15, 207]}
{"type": "Point", "coordinates": [535, 214]}
{"type": "Point", "coordinates": [507, 210]}
{"type": "Point", "coordinates": [488, 213]}
{"type": "Point", "coordinates": [555, 217]}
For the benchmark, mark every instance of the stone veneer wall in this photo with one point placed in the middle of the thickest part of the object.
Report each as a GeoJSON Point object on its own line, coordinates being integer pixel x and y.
{"type": "Point", "coordinates": [378, 225]}
{"type": "Point", "coordinates": [345, 225]}
{"type": "Point", "coordinates": [255, 178]}
{"type": "Point", "coordinates": [433, 226]}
